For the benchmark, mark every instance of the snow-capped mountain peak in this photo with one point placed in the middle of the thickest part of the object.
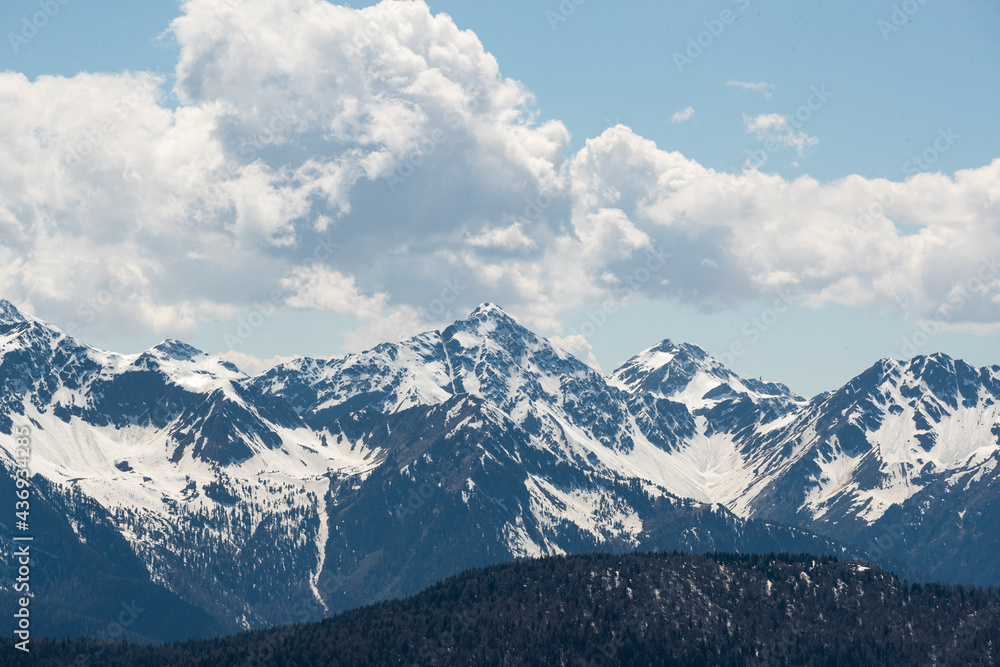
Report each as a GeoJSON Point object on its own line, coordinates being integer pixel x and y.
{"type": "Point", "coordinates": [175, 349]}
{"type": "Point", "coordinates": [489, 325]}
{"type": "Point", "coordinates": [687, 373]}
{"type": "Point", "coordinates": [666, 369]}
{"type": "Point", "coordinates": [488, 309]}
{"type": "Point", "coordinates": [9, 314]}
{"type": "Point", "coordinates": [188, 366]}
{"type": "Point", "coordinates": [485, 417]}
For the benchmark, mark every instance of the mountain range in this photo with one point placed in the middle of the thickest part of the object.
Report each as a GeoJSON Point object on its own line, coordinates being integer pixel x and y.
{"type": "Point", "coordinates": [172, 482]}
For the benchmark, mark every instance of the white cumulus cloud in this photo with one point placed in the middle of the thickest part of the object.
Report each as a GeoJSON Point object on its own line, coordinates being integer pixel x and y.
{"type": "Point", "coordinates": [376, 163]}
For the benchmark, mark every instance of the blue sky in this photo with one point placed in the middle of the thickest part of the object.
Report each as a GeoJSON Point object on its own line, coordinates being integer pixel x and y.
{"type": "Point", "coordinates": [894, 77]}
{"type": "Point", "coordinates": [609, 63]}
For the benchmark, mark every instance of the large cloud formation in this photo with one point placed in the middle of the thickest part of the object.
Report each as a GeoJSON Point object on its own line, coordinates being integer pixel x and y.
{"type": "Point", "coordinates": [376, 164]}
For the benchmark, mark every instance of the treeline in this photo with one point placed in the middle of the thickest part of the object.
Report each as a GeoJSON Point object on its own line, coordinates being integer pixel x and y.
{"type": "Point", "coordinates": [599, 609]}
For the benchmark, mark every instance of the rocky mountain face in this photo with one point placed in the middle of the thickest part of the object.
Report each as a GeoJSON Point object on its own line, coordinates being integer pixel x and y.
{"type": "Point", "coordinates": [325, 484]}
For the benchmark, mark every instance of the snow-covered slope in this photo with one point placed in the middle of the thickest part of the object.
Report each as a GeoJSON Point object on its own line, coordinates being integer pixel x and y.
{"type": "Point", "coordinates": [719, 415]}
{"type": "Point", "coordinates": [176, 446]}
{"type": "Point", "coordinates": [889, 433]}
{"type": "Point", "coordinates": [236, 491]}
{"type": "Point", "coordinates": [565, 405]}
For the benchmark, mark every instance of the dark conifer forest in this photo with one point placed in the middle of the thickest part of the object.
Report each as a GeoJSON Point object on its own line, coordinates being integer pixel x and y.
{"type": "Point", "coordinates": [599, 609]}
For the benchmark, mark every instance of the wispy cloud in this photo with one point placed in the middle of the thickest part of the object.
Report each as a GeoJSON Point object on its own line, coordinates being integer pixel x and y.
{"type": "Point", "coordinates": [762, 87]}
{"type": "Point", "coordinates": [774, 127]}
{"type": "Point", "coordinates": [682, 116]}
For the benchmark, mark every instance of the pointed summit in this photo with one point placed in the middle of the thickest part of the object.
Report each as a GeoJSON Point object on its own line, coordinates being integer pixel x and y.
{"type": "Point", "coordinates": [667, 368]}
{"type": "Point", "coordinates": [490, 310]}
{"type": "Point", "coordinates": [687, 373]}
{"type": "Point", "coordinates": [667, 350]}
{"type": "Point", "coordinates": [175, 349]}
{"type": "Point", "coordinates": [489, 320]}
{"type": "Point", "coordinates": [9, 314]}
{"type": "Point", "coordinates": [665, 345]}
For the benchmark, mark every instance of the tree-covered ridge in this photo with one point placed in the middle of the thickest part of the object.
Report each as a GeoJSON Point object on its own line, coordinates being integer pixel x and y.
{"type": "Point", "coordinates": [600, 609]}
